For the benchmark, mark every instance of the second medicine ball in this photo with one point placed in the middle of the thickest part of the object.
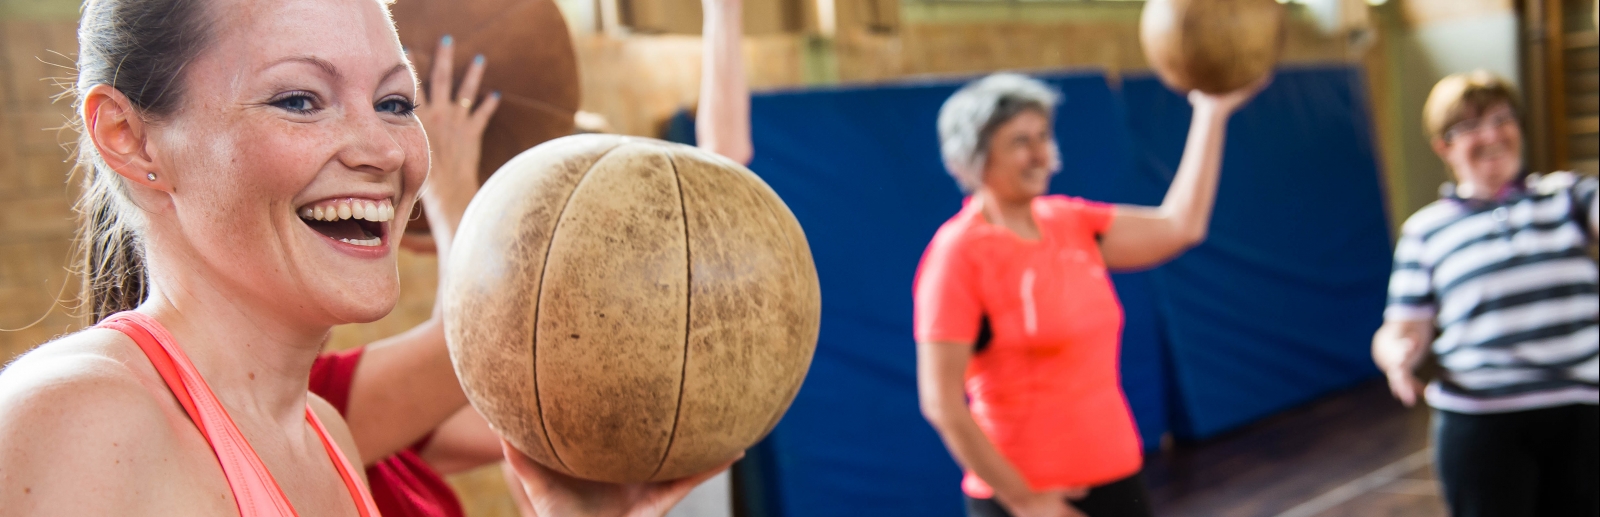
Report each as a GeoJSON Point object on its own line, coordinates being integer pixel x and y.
{"type": "Point", "coordinates": [1214, 46]}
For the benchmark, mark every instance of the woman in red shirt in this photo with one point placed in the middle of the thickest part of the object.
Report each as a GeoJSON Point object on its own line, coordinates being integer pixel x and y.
{"type": "Point", "coordinates": [1015, 312]}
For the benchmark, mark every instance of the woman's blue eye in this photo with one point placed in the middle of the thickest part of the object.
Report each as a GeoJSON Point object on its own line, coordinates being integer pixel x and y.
{"type": "Point", "coordinates": [397, 106]}
{"type": "Point", "coordinates": [298, 103]}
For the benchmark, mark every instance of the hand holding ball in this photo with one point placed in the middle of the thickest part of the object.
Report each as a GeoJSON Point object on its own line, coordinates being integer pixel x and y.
{"type": "Point", "coordinates": [1214, 46]}
{"type": "Point", "coordinates": [625, 310]}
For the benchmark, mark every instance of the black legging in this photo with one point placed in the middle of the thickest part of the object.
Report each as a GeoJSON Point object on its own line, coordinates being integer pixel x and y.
{"type": "Point", "coordinates": [1126, 497]}
{"type": "Point", "coordinates": [1542, 462]}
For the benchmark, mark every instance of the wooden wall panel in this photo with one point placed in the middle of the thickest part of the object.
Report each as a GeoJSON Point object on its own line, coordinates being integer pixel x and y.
{"type": "Point", "coordinates": [37, 291]}
{"type": "Point", "coordinates": [1561, 54]}
{"type": "Point", "coordinates": [761, 17]}
{"type": "Point", "coordinates": [1423, 12]}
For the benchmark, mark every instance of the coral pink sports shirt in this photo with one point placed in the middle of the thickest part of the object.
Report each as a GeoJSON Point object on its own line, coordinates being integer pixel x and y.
{"type": "Point", "coordinates": [254, 490]}
{"type": "Point", "coordinates": [1045, 389]}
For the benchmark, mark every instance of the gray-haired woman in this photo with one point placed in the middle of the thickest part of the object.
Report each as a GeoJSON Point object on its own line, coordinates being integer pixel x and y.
{"type": "Point", "coordinates": [1015, 313]}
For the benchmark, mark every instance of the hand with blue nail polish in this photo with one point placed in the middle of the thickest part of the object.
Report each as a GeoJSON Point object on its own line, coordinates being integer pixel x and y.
{"type": "Point", "coordinates": [455, 120]}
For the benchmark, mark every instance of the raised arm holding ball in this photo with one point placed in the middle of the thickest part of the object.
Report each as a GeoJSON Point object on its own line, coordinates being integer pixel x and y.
{"type": "Point", "coordinates": [1015, 311]}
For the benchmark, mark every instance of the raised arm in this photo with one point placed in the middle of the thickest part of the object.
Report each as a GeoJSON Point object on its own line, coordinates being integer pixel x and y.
{"type": "Point", "coordinates": [940, 370]}
{"type": "Point", "coordinates": [1141, 236]}
{"type": "Point", "coordinates": [405, 385]}
{"type": "Point", "coordinates": [722, 123]}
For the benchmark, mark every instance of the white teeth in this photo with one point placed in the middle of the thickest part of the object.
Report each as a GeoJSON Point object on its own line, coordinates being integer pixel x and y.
{"type": "Point", "coordinates": [375, 241]}
{"type": "Point", "coordinates": [375, 211]}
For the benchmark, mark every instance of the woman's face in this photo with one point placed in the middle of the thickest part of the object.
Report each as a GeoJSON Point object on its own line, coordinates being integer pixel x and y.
{"type": "Point", "coordinates": [293, 158]}
{"type": "Point", "coordinates": [1021, 158]}
{"type": "Point", "coordinates": [1485, 151]}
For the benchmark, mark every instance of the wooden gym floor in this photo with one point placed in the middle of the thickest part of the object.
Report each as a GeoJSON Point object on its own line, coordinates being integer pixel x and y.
{"type": "Point", "coordinates": [1353, 453]}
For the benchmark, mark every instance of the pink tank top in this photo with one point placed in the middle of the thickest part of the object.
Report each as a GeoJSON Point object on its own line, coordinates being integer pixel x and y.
{"type": "Point", "coordinates": [257, 494]}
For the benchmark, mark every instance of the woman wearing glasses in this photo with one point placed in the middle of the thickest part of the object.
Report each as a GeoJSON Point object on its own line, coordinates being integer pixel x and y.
{"type": "Point", "coordinates": [1493, 281]}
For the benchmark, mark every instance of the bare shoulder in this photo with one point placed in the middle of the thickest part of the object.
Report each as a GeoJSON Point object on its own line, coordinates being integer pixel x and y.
{"type": "Point", "coordinates": [338, 430]}
{"type": "Point", "coordinates": [81, 427]}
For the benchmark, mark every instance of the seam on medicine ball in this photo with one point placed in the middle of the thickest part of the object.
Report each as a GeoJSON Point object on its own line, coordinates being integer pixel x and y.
{"type": "Point", "coordinates": [688, 312]}
{"type": "Point", "coordinates": [544, 270]}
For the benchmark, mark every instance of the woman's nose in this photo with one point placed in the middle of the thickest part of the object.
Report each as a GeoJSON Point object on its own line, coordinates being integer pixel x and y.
{"type": "Point", "coordinates": [1040, 153]}
{"type": "Point", "coordinates": [371, 145]}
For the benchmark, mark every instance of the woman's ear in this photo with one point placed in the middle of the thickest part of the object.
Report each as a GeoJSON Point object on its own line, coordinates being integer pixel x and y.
{"type": "Point", "coordinates": [1441, 148]}
{"type": "Point", "coordinates": [120, 136]}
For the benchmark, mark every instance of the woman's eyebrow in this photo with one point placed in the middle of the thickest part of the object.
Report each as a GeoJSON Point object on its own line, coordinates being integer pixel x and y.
{"type": "Point", "coordinates": [318, 62]}
{"type": "Point", "coordinates": [397, 69]}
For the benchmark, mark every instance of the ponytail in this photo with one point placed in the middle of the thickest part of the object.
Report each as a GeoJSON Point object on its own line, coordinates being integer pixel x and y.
{"type": "Point", "coordinates": [109, 257]}
{"type": "Point", "coordinates": [140, 48]}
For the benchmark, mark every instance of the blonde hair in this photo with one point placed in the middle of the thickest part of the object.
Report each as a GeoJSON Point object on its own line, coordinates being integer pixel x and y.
{"type": "Point", "coordinates": [1463, 96]}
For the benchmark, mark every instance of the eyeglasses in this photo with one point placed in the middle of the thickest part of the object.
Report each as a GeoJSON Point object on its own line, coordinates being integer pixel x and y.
{"type": "Point", "coordinates": [1470, 126]}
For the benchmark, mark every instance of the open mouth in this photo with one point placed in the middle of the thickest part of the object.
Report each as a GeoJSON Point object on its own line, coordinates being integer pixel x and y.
{"type": "Point", "coordinates": [359, 222]}
{"type": "Point", "coordinates": [1492, 152]}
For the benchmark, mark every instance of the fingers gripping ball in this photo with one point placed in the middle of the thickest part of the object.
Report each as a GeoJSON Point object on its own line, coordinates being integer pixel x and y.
{"type": "Point", "coordinates": [624, 309]}
{"type": "Point", "coordinates": [1214, 46]}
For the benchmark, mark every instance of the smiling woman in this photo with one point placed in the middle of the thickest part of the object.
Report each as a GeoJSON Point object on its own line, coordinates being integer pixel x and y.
{"type": "Point", "coordinates": [209, 128]}
{"type": "Point", "coordinates": [1014, 310]}
{"type": "Point", "coordinates": [248, 163]}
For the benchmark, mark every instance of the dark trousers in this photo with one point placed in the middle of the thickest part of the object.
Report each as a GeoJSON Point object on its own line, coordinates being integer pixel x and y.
{"type": "Point", "coordinates": [1542, 462]}
{"type": "Point", "coordinates": [1123, 498]}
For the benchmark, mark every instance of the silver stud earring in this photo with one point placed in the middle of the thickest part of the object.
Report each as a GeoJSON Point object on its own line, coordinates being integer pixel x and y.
{"type": "Point", "coordinates": [150, 176]}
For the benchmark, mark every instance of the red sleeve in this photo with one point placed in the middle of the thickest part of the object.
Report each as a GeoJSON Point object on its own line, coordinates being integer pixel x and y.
{"type": "Point", "coordinates": [332, 373]}
{"type": "Point", "coordinates": [1093, 216]}
{"type": "Point", "coordinates": [947, 307]}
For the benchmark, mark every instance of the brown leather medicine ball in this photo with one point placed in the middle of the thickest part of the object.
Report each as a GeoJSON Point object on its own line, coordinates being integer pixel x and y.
{"type": "Point", "coordinates": [1214, 46]}
{"type": "Point", "coordinates": [624, 309]}
{"type": "Point", "coordinates": [530, 61]}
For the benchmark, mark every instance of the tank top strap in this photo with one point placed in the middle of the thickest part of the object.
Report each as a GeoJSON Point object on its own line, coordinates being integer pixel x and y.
{"type": "Point", "coordinates": [358, 490]}
{"type": "Point", "coordinates": [254, 490]}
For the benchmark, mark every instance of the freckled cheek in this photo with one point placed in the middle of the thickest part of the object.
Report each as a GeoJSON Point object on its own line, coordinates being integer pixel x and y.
{"type": "Point", "coordinates": [263, 174]}
{"type": "Point", "coordinates": [281, 164]}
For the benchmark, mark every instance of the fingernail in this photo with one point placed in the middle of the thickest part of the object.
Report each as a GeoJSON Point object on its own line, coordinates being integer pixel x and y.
{"type": "Point", "coordinates": [446, 40]}
{"type": "Point", "coordinates": [495, 94]}
{"type": "Point", "coordinates": [404, 50]}
{"type": "Point", "coordinates": [478, 59]}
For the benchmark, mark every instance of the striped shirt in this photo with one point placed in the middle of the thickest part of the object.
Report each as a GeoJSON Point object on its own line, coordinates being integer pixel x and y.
{"type": "Point", "coordinates": [1510, 287]}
